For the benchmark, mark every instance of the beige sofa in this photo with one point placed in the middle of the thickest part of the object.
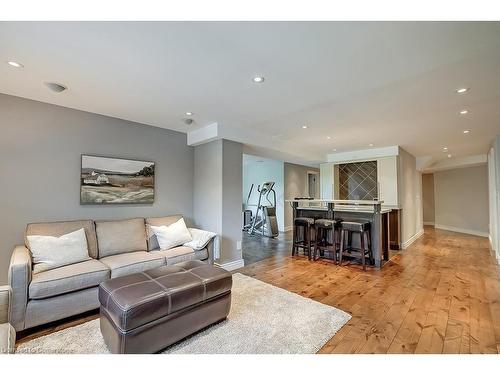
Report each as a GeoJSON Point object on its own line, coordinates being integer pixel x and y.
{"type": "Point", "coordinates": [117, 248]}
{"type": "Point", "coordinates": [7, 332]}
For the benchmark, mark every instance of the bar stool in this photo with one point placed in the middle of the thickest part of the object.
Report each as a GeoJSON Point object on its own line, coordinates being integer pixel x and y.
{"type": "Point", "coordinates": [303, 231]}
{"type": "Point", "coordinates": [326, 229]}
{"type": "Point", "coordinates": [362, 227]}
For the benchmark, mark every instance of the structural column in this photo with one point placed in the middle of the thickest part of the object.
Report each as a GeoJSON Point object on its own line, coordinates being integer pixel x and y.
{"type": "Point", "coordinates": [217, 196]}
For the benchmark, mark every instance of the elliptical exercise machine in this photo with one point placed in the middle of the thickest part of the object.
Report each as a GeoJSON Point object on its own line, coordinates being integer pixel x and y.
{"type": "Point", "coordinates": [264, 222]}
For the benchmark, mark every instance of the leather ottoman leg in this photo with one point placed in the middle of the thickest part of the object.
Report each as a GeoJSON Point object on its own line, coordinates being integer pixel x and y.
{"type": "Point", "coordinates": [114, 340]}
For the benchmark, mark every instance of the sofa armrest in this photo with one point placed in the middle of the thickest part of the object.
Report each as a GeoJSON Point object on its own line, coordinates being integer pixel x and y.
{"type": "Point", "coordinates": [19, 280]}
{"type": "Point", "coordinates": [7, 338]}
{"type": "Point", "coordinates": [5, 298]}
{"type": "Point", "coordinates": [210, 246]}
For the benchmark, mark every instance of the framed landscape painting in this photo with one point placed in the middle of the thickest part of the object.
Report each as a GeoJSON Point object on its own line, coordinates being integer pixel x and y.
{"type": "Point", "coordinates": [106, 180]}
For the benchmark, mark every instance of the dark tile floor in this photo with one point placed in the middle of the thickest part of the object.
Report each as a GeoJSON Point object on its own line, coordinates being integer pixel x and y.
{"type": "Point", "coordinates": [256, 248]}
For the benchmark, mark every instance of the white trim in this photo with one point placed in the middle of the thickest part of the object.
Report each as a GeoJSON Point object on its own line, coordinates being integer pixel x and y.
{"type": "Point", "coordinates": [371, 153]}
{"type": "Point", "coordinates": [234, 265]}
{"type": "Point", "coordinates": [456, 163]}
{"type": "Point", "coordinates": [462, 230]}
{"type": "Point", "coordinates": [289, 228]}
{"type": "Point", "coordinates": [412, 239]}
{"type": "Point", "coordinates": [256, 143]}
{"type": "Point", "coordinates": [497, 253]}
{"type": "Point", "coordinates": [429, 223]}
{"type": "Point", "coordinates": [203, 135]}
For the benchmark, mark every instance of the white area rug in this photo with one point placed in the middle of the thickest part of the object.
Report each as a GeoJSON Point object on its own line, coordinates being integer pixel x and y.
{"type": "Point", "coordinates": [263, 319]}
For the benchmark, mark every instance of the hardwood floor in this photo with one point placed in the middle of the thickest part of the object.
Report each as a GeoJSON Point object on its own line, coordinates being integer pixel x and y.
{"type": "Point", "coordinates": [441, 295]}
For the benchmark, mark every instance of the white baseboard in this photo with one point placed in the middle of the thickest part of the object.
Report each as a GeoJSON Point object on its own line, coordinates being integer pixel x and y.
{"type": "Point", "coordinates": [462, 230]}
{"type": "Point", "coordinates": [429, 223]}
{"type": "Point", "coordinates": [234, 265]}
{"type": "Point", "coordinates": [412, 239]}
{"type": "Point", "coordinates": [288, 229]}
{"type": "Point", "coordinates": [497, 252]}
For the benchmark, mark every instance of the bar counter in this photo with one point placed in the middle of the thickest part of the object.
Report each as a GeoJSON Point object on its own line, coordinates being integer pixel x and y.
{"type": "Point", "coordinates": [374, 211]}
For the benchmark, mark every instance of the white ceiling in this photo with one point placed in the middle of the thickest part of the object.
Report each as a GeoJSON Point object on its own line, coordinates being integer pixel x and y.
{"type": "Point", "coordinates": [384, 83]}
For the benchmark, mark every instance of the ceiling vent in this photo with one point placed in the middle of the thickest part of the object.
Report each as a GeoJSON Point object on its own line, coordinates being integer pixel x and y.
{"type": "Point", "coordinates": [55, 87]}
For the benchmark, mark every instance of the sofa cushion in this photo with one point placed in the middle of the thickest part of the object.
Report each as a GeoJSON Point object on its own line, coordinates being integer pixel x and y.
{"type": "Point", "coordinates": [200, 238]}
{"type": "Point", "coordinates": [177, 254]}
{"type": "Point", "coordinates": [177, 251]}
{"type": "Point", "coordinates": [120, 236]}
{"type": "Point", "coordinates": [183, 254]}
{"type": "Point", "coordinates": [138, 261]}
{"type": "Point", "coordinates": [49, 252]}
{"type": "Point", "coordinates": [158, 222]}
{"type": "Point", "coordinates": [59, 228]}
{"type": "Point", "coordinates": [173, 235]}
{"type": "Point", "coordinates": [68, 279]}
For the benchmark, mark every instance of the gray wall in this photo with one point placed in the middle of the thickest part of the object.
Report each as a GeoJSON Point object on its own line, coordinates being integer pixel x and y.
{"type": "Point", "coordinates": [40, 149]}
{"type": "Point", "coordinates": [217, 193]}
{"type": "Point", "coordinates": [461, 199]}
{"type": "Point", "coordinates": [428, 198]}
{"type": "Point", "coordinates": [232, 176]}
{"type": "Point", "coordinates": [207, 193]}
{"type": "Point", "coordinates": [295, 177]}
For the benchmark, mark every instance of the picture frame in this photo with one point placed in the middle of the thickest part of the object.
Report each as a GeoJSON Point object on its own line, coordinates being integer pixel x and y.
{"type": "Point", "coordinates": [108, 180]}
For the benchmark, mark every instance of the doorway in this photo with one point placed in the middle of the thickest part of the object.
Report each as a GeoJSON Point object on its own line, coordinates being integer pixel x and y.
{"type": "Point", "coordinates": [313, 184]}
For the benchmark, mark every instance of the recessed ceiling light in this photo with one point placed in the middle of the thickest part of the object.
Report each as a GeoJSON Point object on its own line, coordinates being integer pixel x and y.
{"type": "Point", "coordinates": [258, 79]}
{"type": "Point", "coordinates": [466, 131]}
{"type": "Point", "coordinates": [189, 113]}
{"type": "Point", "coordinates": [15, 64]}
{"type": "Point", "coordinates": [304, 126]}
{"type": "Point", "coordinates": [449, 155]}
{"type": "Point", "coordinates": [334, 149]}
{"type": "Point", "coordinates": [462, 90]}
{"type": "Point", "coordinates": [56, 87]}
{"type": "Point", "coordinates": [328, 137]}
{"type": "Point", "coordinates": [445, 148]}
{"type": "Point", "coordinates": [371, 145]}
{"type": "Point", "coordinates": [464, 112]}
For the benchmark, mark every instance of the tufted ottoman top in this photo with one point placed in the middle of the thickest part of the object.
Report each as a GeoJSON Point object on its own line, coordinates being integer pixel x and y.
{"type": "Point", "coordinates": [140, 298]}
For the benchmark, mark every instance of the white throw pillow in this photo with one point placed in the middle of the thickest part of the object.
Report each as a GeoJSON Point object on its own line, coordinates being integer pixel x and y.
{"type": "Point", "coordinates": [52, 252]}
{"type": "Point", "coordinates": [174, 235]}
{"type": "Point", "coordinates": [200, 238]}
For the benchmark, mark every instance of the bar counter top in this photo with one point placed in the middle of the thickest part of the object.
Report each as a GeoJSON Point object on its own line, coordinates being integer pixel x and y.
{"type": "Point", "coordinates": [341, 205]}
{"type": "Point", "coordinates": [367, 210]}
{"type": "Point", "coordinates": [338, 201]}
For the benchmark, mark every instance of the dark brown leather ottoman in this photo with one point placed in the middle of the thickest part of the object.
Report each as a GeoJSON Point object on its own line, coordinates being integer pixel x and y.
{"type": "Point", "coordinates": [146, 312]}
